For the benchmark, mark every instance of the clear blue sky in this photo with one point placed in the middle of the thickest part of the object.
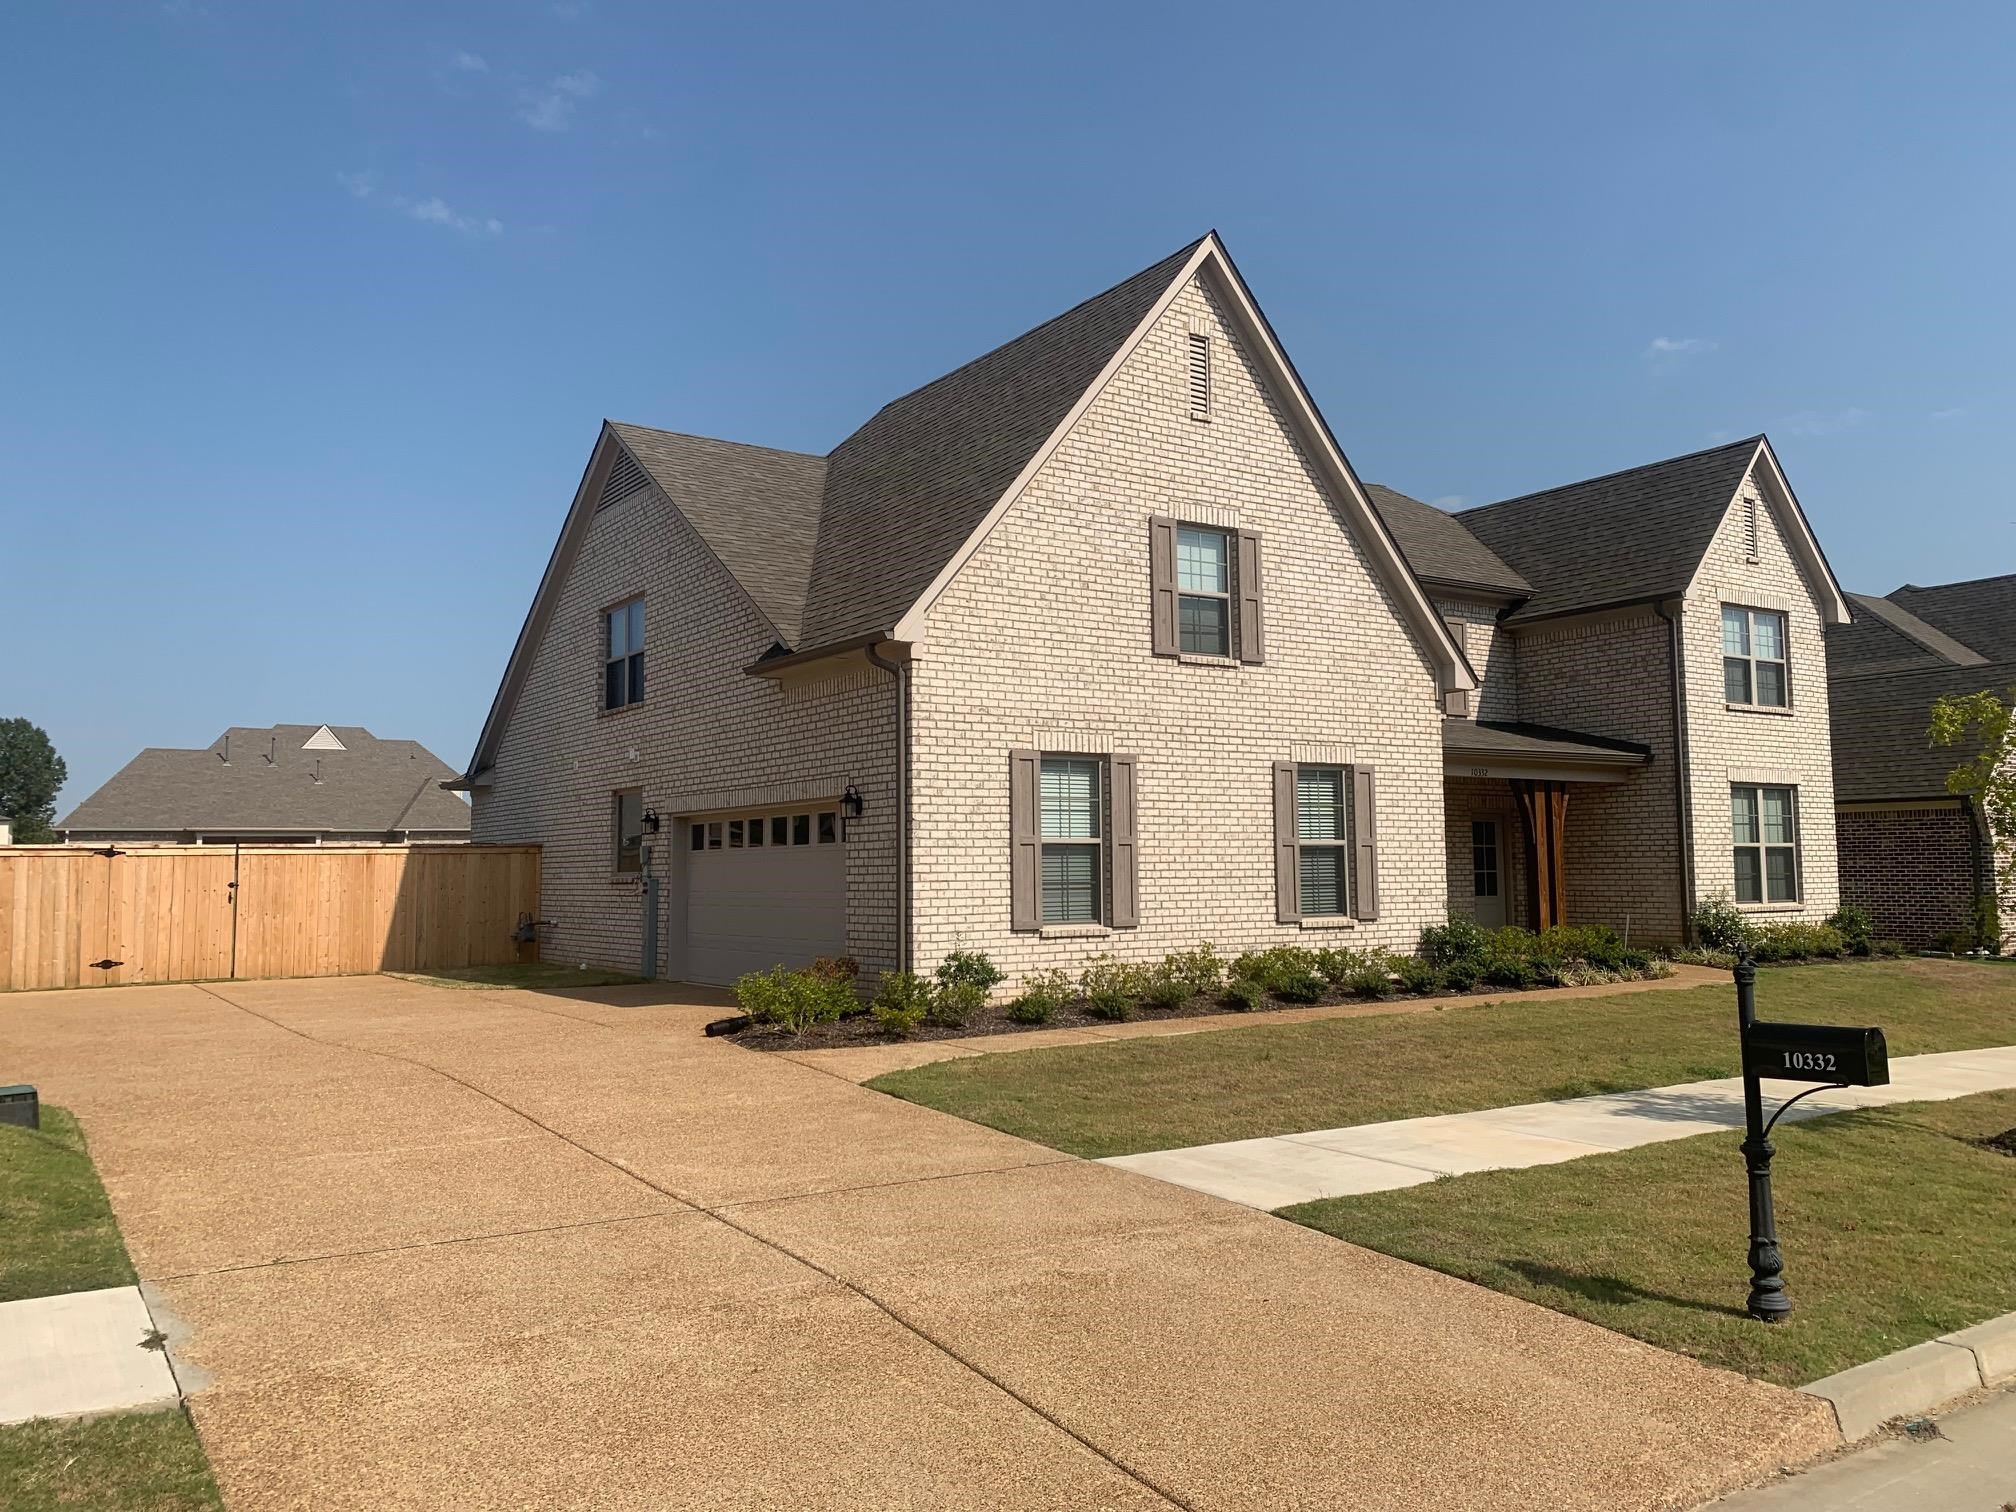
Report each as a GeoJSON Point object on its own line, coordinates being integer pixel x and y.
{"type": "Point", "coordinates": [309, 313]}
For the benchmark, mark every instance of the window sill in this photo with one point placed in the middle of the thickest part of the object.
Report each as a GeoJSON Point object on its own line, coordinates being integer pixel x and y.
{"type": "Point", "coordinates": [1327, 921]}
{"type": "Point", "coordinates": [1196, 659]}
{"type": "Point", "coordinates": [1763, 908]}
{"type": "Point", "coordinates": [1073, 931]}
{"type": "Point", "coordinates": [602, 711]}
{"type": "Point", "coordinates": [1736, 708]}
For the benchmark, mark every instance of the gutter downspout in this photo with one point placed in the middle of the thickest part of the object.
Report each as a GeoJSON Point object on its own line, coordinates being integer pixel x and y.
{"type": "Point", "coordinates": [1682, 784]}
{"type": "Point", "coordinates": [901, 671]}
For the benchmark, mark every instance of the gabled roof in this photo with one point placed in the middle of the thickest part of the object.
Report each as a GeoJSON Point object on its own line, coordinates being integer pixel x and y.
{"type": "Point", "coordinates": [757, 510]}
{"type": "Point", "coordinates": [1626, 537]}
{"type": "Point", "coordinates": [905, 490]}
{"type": "Point", "coordinates": [1439, 549]}
{"type": "Point", "coordinates": [905, 500]}
{"type": "Point", "coordinates": [1980, 613]}
{"type": "Point", "coordinates": [1884, 637]}
{"type": "Point", "coordinates": [272, 778]}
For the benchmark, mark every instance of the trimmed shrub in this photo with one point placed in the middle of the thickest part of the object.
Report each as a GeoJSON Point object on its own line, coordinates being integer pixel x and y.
{"type": "Point", "coordinates": [1794, 941]}
{"type": "Point", "coordinates": [970, 968]}
{"type": "Point", "coordinates": [1719, 925]}
{"type": "Point", "coordinates": [1043, 994]}
{"type": "Point", "coordinates": [1165, 988]}
{"type": "Point", "coordinates": [1371, 979]}
{"type": "Point", "coordinates": [796, 999]}
{"type": "Point", "coordinates": [1856, 928]}
{"type": "Point", "coordinates": [1461, 974]}
{"type": "Point", "coordinates": [1458, 940]}
{"type": "Point", "coordinates": [1244, 995]}
{"type": "Point", "coordinates": [1202, 971]}
{"type": "Point", "coordinates": [1337, 964]}
{"type": "Point", "coordinates": [952, 1003]}
{"type": "Point", "coordinates": [1111, 988]}
{"type": "Point", "coordinates": [1287, 971]}
{"type": "Point", "coordinates": [902, 1002]}
{"type": "Point", "coordinates": [1416, 975]}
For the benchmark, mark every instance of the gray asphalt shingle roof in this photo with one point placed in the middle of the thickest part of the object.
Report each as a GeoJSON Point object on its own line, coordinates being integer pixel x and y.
{"type": "Point", "coordinates": [1438, 548]}
{"type": "Point", "coordinates": [1626, 537]}
{"type": "Point", "coordinates": [1538, 742]}
{"type": "Point", "coordinates": [1980, 613]}
{"type": "Point", "coordinates": [370, 787]}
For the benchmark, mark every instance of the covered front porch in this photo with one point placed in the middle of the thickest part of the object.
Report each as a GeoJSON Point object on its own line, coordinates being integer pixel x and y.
{"type": "Point", "coordinates": [1550, 826]}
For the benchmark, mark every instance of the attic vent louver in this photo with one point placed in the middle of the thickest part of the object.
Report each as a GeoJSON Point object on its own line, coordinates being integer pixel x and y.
{"type": "Point", "coordinates": [323, 739]}
{"type": "Point", "coordinates": [625, 478]}
{"type": "Point", "coordinates": [1749, 530]}
{"type": "Point", "coordinates": [1200, 376]}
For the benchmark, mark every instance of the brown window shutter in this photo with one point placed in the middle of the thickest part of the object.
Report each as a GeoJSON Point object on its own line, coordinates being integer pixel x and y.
{"type": "Point", "coordinates": [1162, 583]}
{"type": "Point", "coordinates": [1126, 850]}
{"type": "Point", "coordinates": [1457, 700]}
{"type": "Point", "coordinates": [1252, 632]}
{"type": "Point", "coordinates": [1364, 845]}
{"type": "Point", "coordinates": [1287, 902]}
{"type": "Point", "coordinates": [1025, 871]}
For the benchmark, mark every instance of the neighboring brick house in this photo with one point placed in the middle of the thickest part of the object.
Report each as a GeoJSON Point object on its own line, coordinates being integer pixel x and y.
{"type": "Point", "coordinates": [1097, 644]}
{"type": "Point", "coordinates": [1912, 853]}
{"type": "Point", "coordinates": [276, 785]}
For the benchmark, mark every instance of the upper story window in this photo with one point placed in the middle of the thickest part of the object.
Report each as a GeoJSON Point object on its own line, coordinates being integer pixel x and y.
{"type": "Point", "coordinates": [1765, 825]}
{"type": "Point", "coordinates": [1204, 591]}
{"type": "Point", "coordinates": [1753, 658]}
{"type": "Point", "coordinates": [1073, 839]}
{"type": "Point", "coordinates": [623, 655]}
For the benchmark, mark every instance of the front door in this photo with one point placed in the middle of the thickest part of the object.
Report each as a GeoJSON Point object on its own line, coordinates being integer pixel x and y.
{"type": "Point", "coordinates": [1487, 874]}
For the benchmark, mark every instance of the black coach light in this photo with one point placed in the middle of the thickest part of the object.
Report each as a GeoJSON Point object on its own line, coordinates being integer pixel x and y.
{"type": "Point", "coordinates": [651, 820]}
{"type": "Point", "coordinates": [851, 801]}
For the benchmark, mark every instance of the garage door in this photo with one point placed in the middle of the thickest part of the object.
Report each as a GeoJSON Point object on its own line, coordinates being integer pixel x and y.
{"type": "Point", "coordinates": [764, 890]}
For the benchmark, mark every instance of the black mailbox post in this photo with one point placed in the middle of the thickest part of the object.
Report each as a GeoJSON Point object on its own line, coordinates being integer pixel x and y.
{"type": "Point", "coordinates": [1826, 1054]}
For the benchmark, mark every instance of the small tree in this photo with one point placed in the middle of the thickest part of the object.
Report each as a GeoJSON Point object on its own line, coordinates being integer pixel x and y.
{"type": "Point", "coordinates": [1988, 777]}
{"type": "Point", "coordinates": [31, 774]}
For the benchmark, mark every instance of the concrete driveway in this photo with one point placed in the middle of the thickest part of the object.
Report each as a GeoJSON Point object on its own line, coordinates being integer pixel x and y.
{"type": "Point", "coordinates": [430, 1248]}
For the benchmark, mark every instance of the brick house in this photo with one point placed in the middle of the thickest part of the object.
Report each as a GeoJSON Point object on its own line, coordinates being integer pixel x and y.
{"type": "Point", "coordinates": [1099, 644]}
{"type": "Point", "coordinates": [1911, 853]}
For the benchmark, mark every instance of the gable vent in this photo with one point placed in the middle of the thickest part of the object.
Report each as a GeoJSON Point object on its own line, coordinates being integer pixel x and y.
{"type": "Point", "coordinates": [625, 478]}
{"type": "Point", "coordinates": [323, 739]}
{"type": "Point", "coordinates": [1200, 376]}
{"type": "Point", "coordinates": [1749, 530]}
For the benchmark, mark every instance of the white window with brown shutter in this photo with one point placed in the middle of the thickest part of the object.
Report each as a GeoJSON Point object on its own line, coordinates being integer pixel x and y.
{"type": "Point", "coordinates": [1074, 852]}
{"type": "Point", "coordinates": [1326, 853]}
{"type": "Point", "coordinates": [1205, 591]}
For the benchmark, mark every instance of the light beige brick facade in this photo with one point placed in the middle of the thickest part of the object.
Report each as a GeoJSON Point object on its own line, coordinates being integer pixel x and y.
{"type": "Point", "coordinates": [1728, 745]}
{"type": "Point", "coordinates": [706, 738]}
{"type": "Point", "coordinates": [1043, 640]}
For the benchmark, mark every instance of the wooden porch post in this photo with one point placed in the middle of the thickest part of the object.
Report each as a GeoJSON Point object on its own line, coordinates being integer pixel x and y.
{"type": "Point", "coordinates": [1543, 815]}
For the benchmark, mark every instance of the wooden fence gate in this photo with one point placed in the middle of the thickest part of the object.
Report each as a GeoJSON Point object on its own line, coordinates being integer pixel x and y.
{"type": "Point", "coordinates": [73, 917]}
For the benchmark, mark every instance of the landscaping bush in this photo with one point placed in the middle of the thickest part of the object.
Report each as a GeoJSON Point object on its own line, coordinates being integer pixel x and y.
{"type": "Point", "coordinates": [1244, 995]}
{"type": "Point", "coordinates": [1043, 993]}
{"type": "Point", "coordinates": [952, 1003]}
{"type": "Point", "coordinates": [902, 1002]}
{"type": "Point", "coordinates": [1417, 975]}
{"type": "Point", "coordinates": [1287, 971]}
{"type": "Point", "coordinates": [1794, 941]}
{"type": "Point", "coordinates": [796, 999]}
{"type": "Point", "coordinates": [1202, 971]}
{"type": "Point", "coordinates": [971, 968]}
{"type": "Point", "coordinates": [1458, 940]}
{"type": "Point", "coordinates": [1719, 925]}
{"type": "Point", "coordinates": [835, 968]}
{"type": "Point", "coordinates": [1855, 927]}
{"type": "Point", "coordinates": [1165, 988]}
{"type": "Point", "coordinates": [1461, 974]}
{"type": "Point", "coordinates": [1337, 965]}
{"type": "Point", "coordinates": [1112, 988]}
{"type": "Point", "coordinates": [1372, 979]}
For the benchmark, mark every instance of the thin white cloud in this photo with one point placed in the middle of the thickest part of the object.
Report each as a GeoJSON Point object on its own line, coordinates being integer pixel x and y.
{"type": "Point", "coordinates": [1938, 417]}
{"type": "Point", "coordinates": [434, 211]}
{"type": "Point", "coordinates": [1663, 354]}
{"type": "Point", "coordinates": [551, 107]}
{"type": "Point", "coordinates": [1820, 422]}
{"type": "Point", "coordinates": [359, 185]}
{"type": "Point", "coordinates": [468, 62]}
{"type": "Point", "coordinates": [1449, 501]}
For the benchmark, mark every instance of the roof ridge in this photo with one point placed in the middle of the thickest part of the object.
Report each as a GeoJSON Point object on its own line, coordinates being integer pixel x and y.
{"type": "Point", "coordinates": [659, 430]}
{"type": "Point", "coordinates": [1621, 472]}
{"type": "Point", "coordinates": [1043, 325]}
{"type": "Point", "coordinates": [1993, 577]}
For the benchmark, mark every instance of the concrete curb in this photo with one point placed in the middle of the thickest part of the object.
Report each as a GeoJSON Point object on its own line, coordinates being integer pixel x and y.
{"type": "Point", "coordinates": [1918, 1381]}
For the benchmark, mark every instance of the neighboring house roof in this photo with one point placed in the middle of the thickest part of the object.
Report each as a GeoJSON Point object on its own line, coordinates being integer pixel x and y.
{"type": "Point", "coordinates": [757, 510]}
{"type": "Point", "coordinates": [274, 779]}
{"type": "Point", "coordinates": [1538, 743]}
{"type": "Point", "coordinates": [1439, 549]}
{"type": "Point", "coordinates": [1981, 613]}
{"type": "Point", "coordinates": [1626, 537]}
{"type": "Point", "coordinates": [909, 496]}
{"type": "Point", "coordinates": [1885, 637]}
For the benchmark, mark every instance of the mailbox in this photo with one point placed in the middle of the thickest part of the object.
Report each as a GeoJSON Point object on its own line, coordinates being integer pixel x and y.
{"type": "Point", "coordinates": [1826, 1053]}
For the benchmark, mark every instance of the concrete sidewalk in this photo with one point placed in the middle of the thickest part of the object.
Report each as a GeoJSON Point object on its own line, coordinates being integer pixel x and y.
{"type": "Point", "coordinates": [1281, 1170]}
{"type": "Point", "coordinates": [426, 1248]}
{"type": "Point", "coordinates": [79, 1354]}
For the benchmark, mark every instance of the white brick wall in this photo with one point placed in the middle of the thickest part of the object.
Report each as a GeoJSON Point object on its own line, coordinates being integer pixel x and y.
{"type": "Point", "coordinates": [1047, 629]}
{"type": "Point", "coordinates": [1727, 745]}
{"type": "Point", "coordinates": [1491, 654]}
{"type": "Point", "coordinates": [706, 737]}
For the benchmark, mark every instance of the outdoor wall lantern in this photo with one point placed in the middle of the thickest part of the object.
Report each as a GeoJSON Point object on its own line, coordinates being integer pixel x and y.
{"type": "Point", "coordinates": [651, 820]}
{"type": "Point", "coordinates": [851, 801]}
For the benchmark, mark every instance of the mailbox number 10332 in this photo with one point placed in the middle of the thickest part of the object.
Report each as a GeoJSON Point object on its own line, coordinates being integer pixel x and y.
{"type": "Point", "coordinates": [1809, 1060]}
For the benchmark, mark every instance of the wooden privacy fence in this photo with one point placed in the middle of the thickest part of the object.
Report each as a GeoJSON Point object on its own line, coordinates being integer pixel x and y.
{"type": "Point", "coordinates": [73, 917]}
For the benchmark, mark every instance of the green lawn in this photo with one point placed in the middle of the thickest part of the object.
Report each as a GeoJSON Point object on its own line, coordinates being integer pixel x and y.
{"type": "Point", "coordinates": [538, 976]}
{"type": "Point", "coordinates": [128, 1462]}
{"type": "Point", "coordinates": [1895, 1227]}
{"type": "Point", "coordinates": [1159, 1094]}
{"type": "Point", "coordinates": [60, 1236]}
